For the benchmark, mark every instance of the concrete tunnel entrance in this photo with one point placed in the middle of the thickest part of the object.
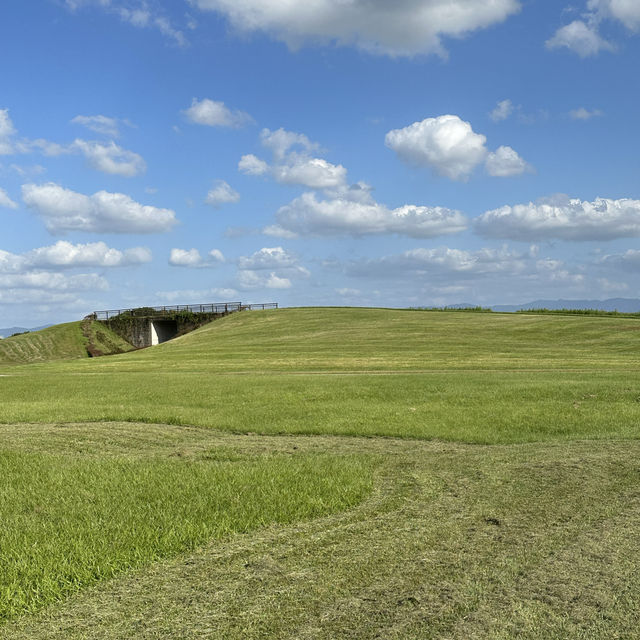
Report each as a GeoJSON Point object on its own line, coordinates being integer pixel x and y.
{"type": "Point", "coordinates": [163, 330]}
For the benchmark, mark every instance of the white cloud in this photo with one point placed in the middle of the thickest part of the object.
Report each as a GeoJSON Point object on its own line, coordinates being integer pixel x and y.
{"type": "Point", "coordinates": [564, 219]}
{"type": "Point", "coordinates": [447, 144]}
{"type": "Point", "coordinates": [584, 114]}
{"type": "Point", "coordinates": [401, 28]}
{"type": "Point", "coordinates": [110, 158]}
{"type": "Point", "coordinates": [252, 165]}
{"type": "Point", "coordinates": [626, 11]}
{"type": "Point", "coordinates": [6, 201]}
{"type": "Point", "coordinates": [185, 258]}
{"type": "Point", "coordinates": [140, 17]}
{"type": "Point", "coordinates": [192, 258]}
{"type": "Point", "coordinates": [103, 212]}
{"type": "Point", "coordinates": [94, 254]}
{"type": "Point", "coordinates": [581, 38]}
{"type": "Point", "coordinates": [7, 131]}
{"type": "Point", "coordinates": [270, 268]}
{"type": "Point", "coordinates": [442, 261]}
{"type": "Point", "coordinates": [307, 215]}
{"type": "Point", "coordinates": [450, 147]}
{"type": "Point", "coordinates": [216, 255]}
{"type": "Point", "coordinates": [293, 163]}
{"type": "Point", "coordinates": [629, 260]}
{"type": "Point", "coordinates": [256, 280]}
{"type": "Point", "coordinates": [268, 258]}
{"type": "Point", "coordinates": [100, 124]}
{"type": "Point", "coordinates": [221, 193]}
{"type": "Point", "coordinates": [65, 255]}
{"type": "Point", "coordinates": [281, 141]}
{"type": "Point", "coordinates": [314, 173]}
{"type": "Point", "coordinates": [502, 111]}
{"type": "Point", "coordinates": [505, 162]}
{"type": "Point", "coordinates": [215, 114]}
{"type": "Point", "coordinates": [48, 281]}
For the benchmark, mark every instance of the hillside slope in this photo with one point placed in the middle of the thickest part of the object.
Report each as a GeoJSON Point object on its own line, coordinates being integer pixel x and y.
{"type": "Point", "coordinates": [356, 339]}
{"type": "Point", "coordinates": [60, 342]}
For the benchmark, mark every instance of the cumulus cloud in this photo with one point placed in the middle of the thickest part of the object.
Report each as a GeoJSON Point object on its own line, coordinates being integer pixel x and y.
{"type": "Point", "coordinates": [6, 201]}
{"type": "Point", "coordinates": [505, 162]}
{"type": "Point", "coordinates": [307, 215]}
{"type": "Point", "coordinates": [270, 268]}
{"type": "Point", "coordinates": [251, 165]}
{"type": "Point", "coordinates": [110, 158]}
{"type": "Point", "coordinates": [293, 163]}
{"type": "Point", "coordinates": [584, 114]}
{"type": "Point", "coordinates": [212, 113]}
{"type": "Point", "coordinates": [191, 258]}
{"type": "Point", "coordinates": [103, 212]}
{"type": "Point", "coordinates": [502, 111]}
{"type": "Point", "coordinates": [65, 255]}
{"type": "Point", "coordinates": [581, 38]}
{"type": "Point", "coordinates": [268, 258]}
{"type": "Point", "coordinates": [403, 28]}
{"type": "Point", "coordinates": [450, 147]}
{"type": "Point", "coordinates": [221, 193]}
{"type": "Point", "coordinates": [564, 219]}
{"type": "Point", "coordinates": [93, 254]}
{"type": "Point", "coordinates": [447, 144]}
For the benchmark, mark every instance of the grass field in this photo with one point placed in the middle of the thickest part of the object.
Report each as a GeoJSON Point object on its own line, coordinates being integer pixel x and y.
{"type": "Point", "coordinates": [402, 474]}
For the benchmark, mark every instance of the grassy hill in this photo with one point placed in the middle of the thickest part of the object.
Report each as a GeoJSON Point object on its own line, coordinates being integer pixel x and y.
{"type": "Point", "coordinates": [328, 473]}
{"type": "Point", "coordinates": [60, 342]}
{"type": "Point", "coordinates": [55, 343]}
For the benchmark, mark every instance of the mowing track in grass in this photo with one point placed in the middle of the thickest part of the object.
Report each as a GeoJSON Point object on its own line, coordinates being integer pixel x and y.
{"type": "Point", "coordinates": [535, 541]}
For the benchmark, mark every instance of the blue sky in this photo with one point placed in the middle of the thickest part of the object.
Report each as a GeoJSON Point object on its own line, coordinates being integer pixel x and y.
{"type": "Point", "coordinates": [414, 153]}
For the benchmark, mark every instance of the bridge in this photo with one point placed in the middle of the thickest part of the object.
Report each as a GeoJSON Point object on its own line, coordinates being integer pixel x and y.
{"type": "Point", "coordinates": [148, 326]}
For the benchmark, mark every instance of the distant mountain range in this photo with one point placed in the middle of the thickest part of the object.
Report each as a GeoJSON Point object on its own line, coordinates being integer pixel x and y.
{"type": "Point", "coordinates": [9, 331]}
{"type": "Point", "coordinates": [624, 305]}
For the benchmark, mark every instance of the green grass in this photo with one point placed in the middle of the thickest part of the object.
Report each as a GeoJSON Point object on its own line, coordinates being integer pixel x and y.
{"type": "Point", "coordinates": [62, 341]}
{"type": "Point", "coordinates": [409, 474]}
{"type": "Point", "coordinates": [535, 541]}
{"type": "Point", "coordinates": [485, 378]}
{"type": "Point", "coordinates": [106, 341]}
{"type": "Point", "coordinates": [72, 516]}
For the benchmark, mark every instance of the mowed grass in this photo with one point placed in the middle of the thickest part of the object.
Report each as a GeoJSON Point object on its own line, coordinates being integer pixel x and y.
{"type": "Point", "coordinates": [535, 541]}
{"type": "Point", "coordinates": [79, 505]}
{"type": "Point", "coordinates": [62, 341]}
{"type": "Point", "coordinates": [485, 378]}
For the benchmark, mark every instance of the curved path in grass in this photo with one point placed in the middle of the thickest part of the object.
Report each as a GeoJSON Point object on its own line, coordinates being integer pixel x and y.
{"type": "Point", "coordinates": [455, 541]}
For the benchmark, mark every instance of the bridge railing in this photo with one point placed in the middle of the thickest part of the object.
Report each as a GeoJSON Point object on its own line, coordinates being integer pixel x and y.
{"type": "Point", "coordinates": [215, 307]}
